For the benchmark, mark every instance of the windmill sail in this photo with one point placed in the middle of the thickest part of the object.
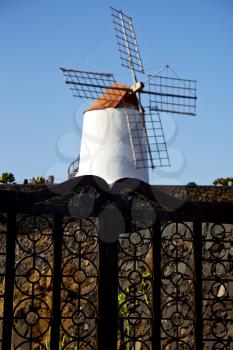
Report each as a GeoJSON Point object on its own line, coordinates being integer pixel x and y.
{"type": "Point", "coordinates": [92, 85]}
{"type": "Point", "coordinates": [148, 141]}
{"type": "Point", "coordinates": [127, 42]}
{"type": "Point", "coordinates": [172, 95]}
{"type": "Point", "coordinates": [156, 139]}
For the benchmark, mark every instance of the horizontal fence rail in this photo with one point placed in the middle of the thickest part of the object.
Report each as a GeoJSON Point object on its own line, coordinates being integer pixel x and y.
{"type": "Point", "coordinates": [84, 266]}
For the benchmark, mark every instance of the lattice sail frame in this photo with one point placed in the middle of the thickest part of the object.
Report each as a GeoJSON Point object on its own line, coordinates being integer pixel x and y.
{"type": "Point", "coordinates": [91, 85]}
{"type": "Point", "coordinates": [126, 40]}
{"type": "Point", "coordinates": [147, 139]}
{"type": "Point", "coordinates": [172, 95]}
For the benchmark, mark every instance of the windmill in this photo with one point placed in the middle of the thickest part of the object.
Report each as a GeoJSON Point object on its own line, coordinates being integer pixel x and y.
{"type": "Point", "coordinates": [120, 136]}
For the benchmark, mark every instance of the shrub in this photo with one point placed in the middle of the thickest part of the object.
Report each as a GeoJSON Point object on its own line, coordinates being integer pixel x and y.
{"type": "Point", "coordinates": [227, 181]}
{"type": "Point", "coordinates": [37, 180]}
{"type": "Point", "coordinates": [6, 178]}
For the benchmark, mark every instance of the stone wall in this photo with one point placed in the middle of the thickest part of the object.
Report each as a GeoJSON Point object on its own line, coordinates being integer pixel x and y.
{"type": "Point", "coordinates": [193, 193]}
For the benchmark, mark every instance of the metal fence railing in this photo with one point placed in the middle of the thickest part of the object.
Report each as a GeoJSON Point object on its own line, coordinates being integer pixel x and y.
{"type": "Point", "coordinates": [83, 266]}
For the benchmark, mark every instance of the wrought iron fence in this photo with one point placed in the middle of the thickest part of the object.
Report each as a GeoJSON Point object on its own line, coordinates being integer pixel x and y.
{"type": "Point", "coordinates": [83, 266]}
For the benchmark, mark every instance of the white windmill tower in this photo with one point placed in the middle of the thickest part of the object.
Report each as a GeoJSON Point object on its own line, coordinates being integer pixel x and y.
{"type": "Point", "coordinates": [120, 137]}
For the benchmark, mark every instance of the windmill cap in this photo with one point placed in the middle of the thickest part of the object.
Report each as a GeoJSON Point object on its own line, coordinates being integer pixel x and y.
{"type": "Point", "coordinates": [114, 98]}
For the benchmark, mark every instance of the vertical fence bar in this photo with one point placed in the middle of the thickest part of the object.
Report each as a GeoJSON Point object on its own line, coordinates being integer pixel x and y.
{"type": "Point", "coordinates": [108, 305]}
{"type": "Point", "coordinates": [57, 278]}
{"type": "Point", "coordinates": [156, 239]}
{"type": "Point", "coordinates": [9, 281]}
{"type": "Point", "coordinates": [110, 225]}
{"type": "Point", "coordinates": [197, 229]}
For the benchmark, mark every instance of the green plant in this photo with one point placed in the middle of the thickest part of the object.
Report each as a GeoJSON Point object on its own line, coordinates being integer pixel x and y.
{"type": "Point", "coordinates": [227, 181]}
{"type": "Point", "coordinates": [37, 180]}
{"type": "Point", "coordinates": [6, 178]}
{"type": "Point", "coordinates": [62, 343]}
{"type": "Point", "coordinates": [127, 304]}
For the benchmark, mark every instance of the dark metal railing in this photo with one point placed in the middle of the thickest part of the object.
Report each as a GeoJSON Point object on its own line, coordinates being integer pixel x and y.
{"type": "Point", "coordinates": [73, 168]}
{"type": "Point", "coordinates": [83, 266]}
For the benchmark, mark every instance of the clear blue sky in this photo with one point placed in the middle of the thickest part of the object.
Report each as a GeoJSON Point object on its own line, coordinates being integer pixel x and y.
{"type": "Point", "coordinates": [41, 121]}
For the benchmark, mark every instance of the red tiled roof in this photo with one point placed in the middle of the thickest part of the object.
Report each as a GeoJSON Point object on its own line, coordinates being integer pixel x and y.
{"type": "Point", "coordinates": [114, 98]}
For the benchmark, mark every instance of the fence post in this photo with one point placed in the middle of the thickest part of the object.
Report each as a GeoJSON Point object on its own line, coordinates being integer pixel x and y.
{"type": "Point", "coordinates": [57, 278]}
{"type": "Point", "coordinates": [9, 281]}
{"type": "Point", "coordinates": [156, 239]}
{"type": "Point", "coordinates": [111, 223]}
{"type": "Point", "coordinates": [197, 230]}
